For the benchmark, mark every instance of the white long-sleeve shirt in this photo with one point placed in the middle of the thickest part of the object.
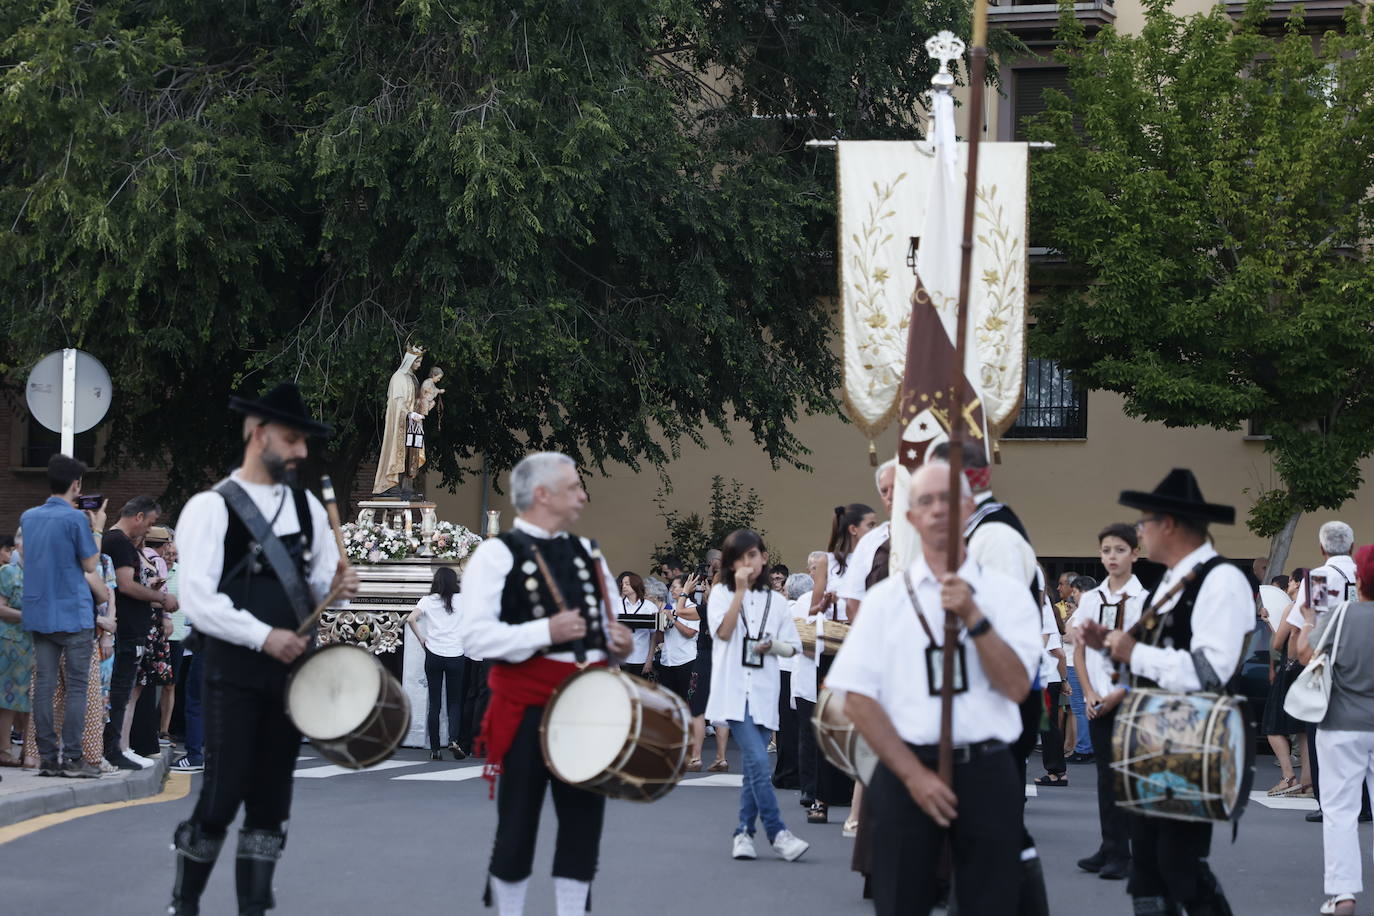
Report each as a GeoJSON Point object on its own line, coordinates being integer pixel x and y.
{"type": "Point", "coordinates": [1223, 617]}
{"type": "Point", "coordinates": [483, 632]}
{"type": "Point", "coordinates": [200, 545]}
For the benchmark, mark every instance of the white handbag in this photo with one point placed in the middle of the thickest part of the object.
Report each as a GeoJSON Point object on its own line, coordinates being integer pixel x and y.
{"type": "Point", "coordinates": [1311, 691]}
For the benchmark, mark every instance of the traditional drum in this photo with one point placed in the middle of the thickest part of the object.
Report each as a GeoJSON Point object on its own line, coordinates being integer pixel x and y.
{"type": "Point", "coordinates": [613, 733]}
{"type": "Point", "coordinates": [1187, 757]}
{"type": "Point", "coordinates": [350, 707]}
{"type": "Point", "coordinates": [840, 741]}
{"type": "Point", "coordinates": [835, 633]}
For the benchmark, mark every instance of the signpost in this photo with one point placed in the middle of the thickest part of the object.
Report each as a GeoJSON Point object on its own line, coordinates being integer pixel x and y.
{"type": "Point", "coordinates": [68, 392]}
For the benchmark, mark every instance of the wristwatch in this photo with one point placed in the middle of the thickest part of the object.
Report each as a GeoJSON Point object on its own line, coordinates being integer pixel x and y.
{"type": "Point", "coordinates": [979, 628]}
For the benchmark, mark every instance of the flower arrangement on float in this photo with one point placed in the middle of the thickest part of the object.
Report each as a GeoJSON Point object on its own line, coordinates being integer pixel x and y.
{"type": "Point", "coordinates": [376, 543]}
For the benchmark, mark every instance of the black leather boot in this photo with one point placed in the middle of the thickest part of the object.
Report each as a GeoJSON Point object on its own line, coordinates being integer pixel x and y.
{"type": "Point", "coordinates": [1211, 902]}
{"type": "Point", "coordinates": [258, 853]}
{"type": "Point", "coordinates": [196, 855]}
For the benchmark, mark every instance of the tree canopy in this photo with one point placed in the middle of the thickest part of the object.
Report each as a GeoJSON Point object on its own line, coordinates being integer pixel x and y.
{"type": "Point", "coordinates": [1210, 191]}
{"type": "Point", "coordinates": [599, 217]}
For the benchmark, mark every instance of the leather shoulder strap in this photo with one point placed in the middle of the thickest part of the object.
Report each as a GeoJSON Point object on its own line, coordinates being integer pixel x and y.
{"type": "Point", "coordinates": [242, 505]}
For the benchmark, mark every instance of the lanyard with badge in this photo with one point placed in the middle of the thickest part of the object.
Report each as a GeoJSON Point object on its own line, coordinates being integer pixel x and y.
{"type": "Point", "coordinates": [935, 653]}
{"type": "Point", "coordinates": [1110, 615]}
{"type": "Point", "coordinates": [752, 659]}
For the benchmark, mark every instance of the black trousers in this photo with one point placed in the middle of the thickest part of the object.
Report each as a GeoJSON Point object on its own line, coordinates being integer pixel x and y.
{"type": "Point", "coordinates": [250, 748]}
{"type": "Point", "coordinates": [1114, 821]}
{"type": "Point", "coordinates": [519, 800]}
{"type": "Point", "coordinates": [984, 841]}
{"type": "Point", "coordinates": [1031, 711]}
{"type": "Point", "coordinates": [677, 678]}
{"type": "Point", "coordinates": [121, 688]}
{"type": "Point", "coordinates": [1170, 860]}
{"type": "Point", "coordinates": [474, 702]}
{"type": "Point", "coordinates": [444, 674]}
{"type": "Point", "coordinates": [1052, 738]}
{"type": "Point", "coordinates": [808, 753]}
{"type": "Point", "coordinates": [785, 774]}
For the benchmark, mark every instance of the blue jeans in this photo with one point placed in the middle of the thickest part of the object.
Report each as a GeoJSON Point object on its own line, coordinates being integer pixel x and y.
{"type": "Point", "coordinates": [1084, 744]}
{"type": "Point", "coordinates": [70, 652]}
{"type": "Point", "coordinates": [756, 798]}
{"type": "Point", "coordinates": [195, 724]}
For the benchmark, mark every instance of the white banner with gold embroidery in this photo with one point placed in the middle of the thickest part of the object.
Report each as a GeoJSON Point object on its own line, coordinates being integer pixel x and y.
{"type": "Point", "coordinates": [883, 186]}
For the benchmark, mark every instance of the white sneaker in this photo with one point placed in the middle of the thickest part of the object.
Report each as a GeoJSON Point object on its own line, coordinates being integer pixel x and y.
{"type": "Point", "coordinates": [788, 846]}
{"type": "Point", "coordinates": [744, 847]}
{"type": "Point", "coordinates": [139, 759]}
{"type": "Point", "coordinates": [1329, 907]}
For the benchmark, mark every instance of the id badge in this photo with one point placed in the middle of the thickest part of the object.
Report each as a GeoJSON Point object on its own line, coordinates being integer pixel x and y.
{"type": "Point", "coordinates": [751, 660]}
{"type": "Point", "coordinates": [1110, 613]}
{"type": "Point", "coordinates": [935, 669]}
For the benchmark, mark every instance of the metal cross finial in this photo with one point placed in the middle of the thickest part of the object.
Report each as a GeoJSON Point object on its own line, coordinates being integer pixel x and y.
{"type": "Point", "coordinates": [944, 47]}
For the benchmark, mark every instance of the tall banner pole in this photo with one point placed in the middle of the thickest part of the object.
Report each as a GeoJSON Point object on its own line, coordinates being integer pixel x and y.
{"type": "Point", "coordinates": [955, 541]}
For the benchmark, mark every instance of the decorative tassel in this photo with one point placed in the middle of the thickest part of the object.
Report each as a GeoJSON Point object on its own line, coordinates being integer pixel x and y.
{"type": "Point", "coordinates": [872, 454]}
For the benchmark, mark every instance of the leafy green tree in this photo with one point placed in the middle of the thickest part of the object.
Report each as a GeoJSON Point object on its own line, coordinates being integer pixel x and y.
{"type": "Point", "coordinates": [690, 536]}
{"type": "Point", "coordinates": [599, 217]}
{"type": "Point", "coordinates": [1213, 204]}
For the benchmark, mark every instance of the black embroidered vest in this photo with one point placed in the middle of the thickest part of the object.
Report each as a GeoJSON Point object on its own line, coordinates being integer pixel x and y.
{"type": "Point", "coordinates": [251, 583]}
{"type": "Point", "coordinates": [1174, 628]}
{"type": "Point", "coordinates": [527, 597]}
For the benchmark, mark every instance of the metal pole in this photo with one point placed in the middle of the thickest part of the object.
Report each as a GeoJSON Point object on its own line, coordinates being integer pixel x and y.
{"type": "Point", "coordinates": [69, 402]}
{"type": "Point", "coordinates": [955, 536]}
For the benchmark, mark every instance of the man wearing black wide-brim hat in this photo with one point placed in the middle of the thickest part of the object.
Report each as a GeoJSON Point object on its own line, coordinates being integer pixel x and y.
{"type": "Point", "coordinates": [256, 554]}
{"type": "Point", "coordinates": [1195, 644]}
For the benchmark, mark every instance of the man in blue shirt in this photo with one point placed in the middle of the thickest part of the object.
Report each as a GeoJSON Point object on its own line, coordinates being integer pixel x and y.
{"type": "Point", "coordinates": [59, 550]}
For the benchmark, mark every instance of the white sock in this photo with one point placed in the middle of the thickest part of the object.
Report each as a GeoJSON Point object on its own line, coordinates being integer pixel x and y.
{"type": "Point", "coordinates": [571, 896]}
{"type": "Point", "coordinates": [510, 895]}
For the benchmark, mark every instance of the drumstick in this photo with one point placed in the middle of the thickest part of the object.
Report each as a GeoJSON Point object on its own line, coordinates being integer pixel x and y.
{"type": "Point", "coordinates": [331, 507]}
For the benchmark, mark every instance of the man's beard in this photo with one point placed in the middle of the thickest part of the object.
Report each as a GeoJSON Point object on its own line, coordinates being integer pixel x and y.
{"type": "Point", "coordinates": [278, 468]}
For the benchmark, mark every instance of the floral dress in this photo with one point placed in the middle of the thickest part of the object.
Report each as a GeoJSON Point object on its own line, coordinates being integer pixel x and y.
{"type": "Point", "coordinates": [16, 645]}
{"type": "Point", "coordinates": [155, 667]}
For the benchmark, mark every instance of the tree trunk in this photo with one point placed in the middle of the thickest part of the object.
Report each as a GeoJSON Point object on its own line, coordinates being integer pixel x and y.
{"type": "Point", "coordinates": [1279, 547]}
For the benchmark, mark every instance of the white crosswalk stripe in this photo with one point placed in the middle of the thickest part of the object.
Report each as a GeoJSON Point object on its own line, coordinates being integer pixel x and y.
{"type": "Point", "coordinates": [332, 770]}
{"type": "Point", "coordinates": [452, 774]}
{"type": "Point", "coordinates": [1284, 802]}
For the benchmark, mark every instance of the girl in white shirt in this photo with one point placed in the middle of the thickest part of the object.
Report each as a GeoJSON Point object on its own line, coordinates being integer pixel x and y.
{"type": "Point", "coordinates": [641, 616]}
{"type": "Point", "coordinates": [679, 653]}
{"type": "Point", "coordinates": [752, 628]}
{"type": "Point", "coordinates": [444, 662]}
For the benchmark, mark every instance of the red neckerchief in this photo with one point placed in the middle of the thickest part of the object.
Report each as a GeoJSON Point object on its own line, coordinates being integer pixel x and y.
{"type": "Point", "coordinates": [514, 689]}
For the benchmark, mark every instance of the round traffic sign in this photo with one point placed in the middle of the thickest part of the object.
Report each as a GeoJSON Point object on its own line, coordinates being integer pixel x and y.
{"type": "Point", "coordinates": [44, 391]}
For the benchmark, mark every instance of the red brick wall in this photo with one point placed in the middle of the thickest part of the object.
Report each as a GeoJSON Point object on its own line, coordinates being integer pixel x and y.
{"type": "Point", "coordinates": [23, 488]}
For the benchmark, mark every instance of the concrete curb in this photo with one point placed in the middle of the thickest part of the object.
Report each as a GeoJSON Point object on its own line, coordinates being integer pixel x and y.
{"type": "Point", "coordinates": [66, 794]}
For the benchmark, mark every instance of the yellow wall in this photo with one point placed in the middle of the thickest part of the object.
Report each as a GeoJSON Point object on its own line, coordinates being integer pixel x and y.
{"type": "Point", "coordinates": [1064, 490]}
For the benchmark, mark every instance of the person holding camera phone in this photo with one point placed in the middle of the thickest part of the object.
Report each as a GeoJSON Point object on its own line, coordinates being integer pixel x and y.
{"type": "Point", "coordinates": [752, 629]}
{"type": "Point", "coordinates": [699, 692]}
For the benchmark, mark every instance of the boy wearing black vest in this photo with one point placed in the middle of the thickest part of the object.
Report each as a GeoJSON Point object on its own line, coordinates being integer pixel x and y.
{"type": "Point", "coordinates": [248, 608]}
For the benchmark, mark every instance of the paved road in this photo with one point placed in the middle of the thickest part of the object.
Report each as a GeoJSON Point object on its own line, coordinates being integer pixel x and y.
{"type": "Point", "coordinates": [412, 836]}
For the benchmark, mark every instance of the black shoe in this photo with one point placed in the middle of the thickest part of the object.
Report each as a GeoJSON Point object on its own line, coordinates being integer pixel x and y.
{"type": "Point", "coordinates": [807, 802]}
{"type": "Point", "coordinates": [457, 752]}
{"type": "Point", "coordinates": [1079, 758]}
{"type": "Point", "coordinates": [49, 768]}
{"type": "Point", "coordinates": [1314, 817]}
{"type": "Point", "coordinates": [435, 755]}
{"type": "Point", "coordinates": [122, 762]}
{"type": "Point", "coordinates": [79, 769]}
{"type": "Point", "coordinates": [1115, 871]}
{"type": "Point", "coordinates": [1094, 862]}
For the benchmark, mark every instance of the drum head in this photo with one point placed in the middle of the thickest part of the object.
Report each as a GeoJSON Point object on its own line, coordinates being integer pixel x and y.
{"type": "Point", "coordinates": [587, 725]}
{"type": "Point", "coordinates": [334, 691]}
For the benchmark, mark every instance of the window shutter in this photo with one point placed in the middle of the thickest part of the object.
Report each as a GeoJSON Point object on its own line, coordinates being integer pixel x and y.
{"type": "Point", "coordinates": [1029, 94]}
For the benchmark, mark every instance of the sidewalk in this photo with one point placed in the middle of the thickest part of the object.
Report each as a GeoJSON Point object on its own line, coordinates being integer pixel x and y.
{"type": "Point", "coordinates": [24, 794]}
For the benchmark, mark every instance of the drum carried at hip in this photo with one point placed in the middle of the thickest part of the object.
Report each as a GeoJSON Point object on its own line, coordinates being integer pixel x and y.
{"type": "Point", "coordinates": [350, 707]}
{"type": "Point", "coordinates": [610, 732]}
{"type": "Point", "coordinates": [840, 741]}
{"type": "Point", "coordinates": [1187, 757]}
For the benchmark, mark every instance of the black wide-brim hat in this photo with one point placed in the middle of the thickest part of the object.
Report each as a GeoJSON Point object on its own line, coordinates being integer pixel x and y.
{"type": "Point", "coordinates": [284, 405]}
{"type": "Point", "coordinates": [1179, 495]}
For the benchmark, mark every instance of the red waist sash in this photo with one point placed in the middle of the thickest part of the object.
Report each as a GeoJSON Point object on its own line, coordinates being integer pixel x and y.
{"type": "Point", "coordinates": [514, 689]}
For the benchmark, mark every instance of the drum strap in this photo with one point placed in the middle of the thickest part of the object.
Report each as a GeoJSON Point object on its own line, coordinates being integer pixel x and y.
{"type": "Point", "coordinates": [242, 505]}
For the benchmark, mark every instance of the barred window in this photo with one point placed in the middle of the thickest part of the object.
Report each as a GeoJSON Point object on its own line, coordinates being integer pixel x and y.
{"type": "Point", "coordinates": [1055, 406]}
{"type": "Point", "coordinates": [42, 443]}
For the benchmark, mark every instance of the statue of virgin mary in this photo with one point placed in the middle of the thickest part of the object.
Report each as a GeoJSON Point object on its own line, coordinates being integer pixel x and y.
{"type": "Point", "coordinates": [402, 393]}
